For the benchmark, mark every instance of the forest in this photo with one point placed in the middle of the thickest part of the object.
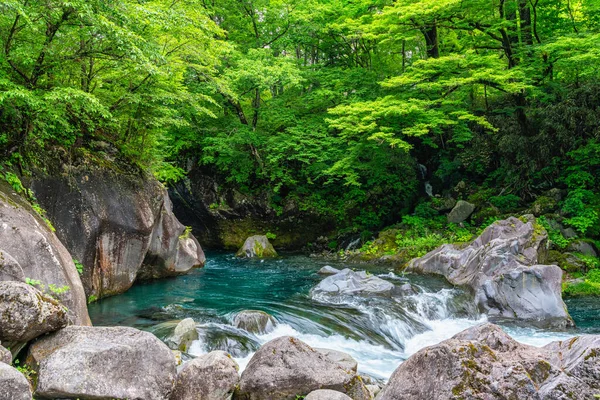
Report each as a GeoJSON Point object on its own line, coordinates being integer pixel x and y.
{"type": "Point", "coordinates": [299, 199]}
{"type": "Point", "coordinates": [343, 108]}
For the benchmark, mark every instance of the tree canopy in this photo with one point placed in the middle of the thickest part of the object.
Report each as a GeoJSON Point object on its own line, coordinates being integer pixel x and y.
{"type": "Point", "coordinates": [330, 104]}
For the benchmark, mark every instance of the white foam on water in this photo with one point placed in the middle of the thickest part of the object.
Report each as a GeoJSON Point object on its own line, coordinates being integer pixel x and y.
{"type": "Point", "coordinates": [430, 309]}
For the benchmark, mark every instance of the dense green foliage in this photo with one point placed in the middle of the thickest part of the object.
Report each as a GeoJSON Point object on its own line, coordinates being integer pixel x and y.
{"type": "Point", "coordinates": [329, 105]}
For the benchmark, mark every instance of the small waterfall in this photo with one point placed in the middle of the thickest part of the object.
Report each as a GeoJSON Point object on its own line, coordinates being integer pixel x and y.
{"type": "Point", "coordinates": [427, 185]}
{"type": "Point", "coordinates": [353, 244]}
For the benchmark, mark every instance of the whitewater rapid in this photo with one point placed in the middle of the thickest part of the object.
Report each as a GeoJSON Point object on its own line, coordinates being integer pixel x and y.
{"type": "Point", "coordinates": [421, 320]}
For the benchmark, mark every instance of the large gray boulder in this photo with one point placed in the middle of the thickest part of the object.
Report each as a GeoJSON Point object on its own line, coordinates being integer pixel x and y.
{"type": "Point", "coordinates": [213, 376]}
{"type": "Point", "coordinates": [461, 211]}
{"type": "Point", "coordinates": [287, 367]}
{"type": "Point", "coordinates": [30, 249]}
{"type": "Point", "coordinates": [326, 394]}
{"type": "Point", "coordinates": [348, 282]}
{"type": "Point", "coordinates": [118, 222]}
{"type": "Point", "coordinates": [254, 321]}
{"type": "Point", "coordinates": [501, 268]}
{"type": "Point", "coordinates": [102, 363]}
{"type": "Point", "coordinates": [13, 384]}
{"type": "Point", "coordinates": [26, 313]}
{"type": "Point", "coordinates": [257, 247]}
{"type": "Point", "coordinates": [183, 335]}
{"type": "Point", "coordinates": [483, 363]}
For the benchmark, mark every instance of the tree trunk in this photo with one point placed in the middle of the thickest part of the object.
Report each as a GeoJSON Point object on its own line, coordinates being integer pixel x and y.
{"type": "Point", "coordinates": [431, 40]}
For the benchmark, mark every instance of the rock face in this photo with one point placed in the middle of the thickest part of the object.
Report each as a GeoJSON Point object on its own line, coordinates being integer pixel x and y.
{"type": "Point", "coordinates": [222, 217]}
{"type": "Point", "coordinates": [26, 313]}
{"type": "Point", "coordinates": [184, 334]}
{"type": "Point", "coordinates": [483, 363]}
{"type": "Point", "coordinates": [325, 394]}
{"type": "Point", "coordinates": [287, 367]}
{"type": "Point", "coordinates": [29, 249]}
{"type": "Point", "coordinates": [118, 223]}
{"type": "Point", "coordinates": [257, 247]}
{"type": "Point", "coordinates": [212, 376]}
{"type": "Point", "coordinates": [254, 321]}
{"type": "Point", "coordinates": [500, 267]}
{"type": "Point", "coordinates": [348, 282]}
{"type": "Point", "coordinates": [461, 211]}
{"type": "Point", "coordinates": [106, 363]}
{"type": "Point", "coordinates": [13, 384]}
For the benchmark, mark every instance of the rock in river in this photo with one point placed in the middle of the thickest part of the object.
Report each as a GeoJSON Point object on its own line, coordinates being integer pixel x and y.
{"type": "Point", "coordinates": [257, 247]}
{"type": "Point", "coordinates": [183, 335]}
{"type": "Point", "coordinates": [349, 282]}
{"type": "Point", "coordinates": [26, 313]}
{"type": "Point", "coordinates": [102, 363]}
{"type": "Point", "coordinates": [212, 376]}
{"type": "Point", "coordinates": [287, 367]}
{"type": "Point", "coordinates": [29, 249]}
{"type": "Point", "coordinates": [328, 270]}
{"type": "Point", "coordinates": [13, 384]}
{"type": "Point", "coordinates": [483, 363]}
{"type": "Point", "coordinates": [254, 321]}
{"type": "Point", "coordinates": [501, 268]}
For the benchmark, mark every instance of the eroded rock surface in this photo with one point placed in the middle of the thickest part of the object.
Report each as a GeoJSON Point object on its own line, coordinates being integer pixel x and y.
{"type": "Point", "coordinates": [118, 223]}
{"type": "Point", "coordinates": [483, 362]}
{"type": "Point", "coordinates": [501, 267]}
{"type": "Point", "coordinates": [102, 363]}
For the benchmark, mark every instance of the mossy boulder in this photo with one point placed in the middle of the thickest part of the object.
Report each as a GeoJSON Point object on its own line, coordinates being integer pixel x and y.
{"type": "Point", "coordinates": [257, 247]}
{"type": "Point", "coordinates": [543, 205]}
{"type": "Point", "coordinates": [483, 360]}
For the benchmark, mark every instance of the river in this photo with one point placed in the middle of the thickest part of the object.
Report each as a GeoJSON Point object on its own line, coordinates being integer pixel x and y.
{"type": "Point", "coordinates": [378, 332]}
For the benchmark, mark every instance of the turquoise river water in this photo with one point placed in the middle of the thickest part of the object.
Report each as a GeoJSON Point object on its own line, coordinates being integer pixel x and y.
{"type": "Point", "coordinates": [379, 332]}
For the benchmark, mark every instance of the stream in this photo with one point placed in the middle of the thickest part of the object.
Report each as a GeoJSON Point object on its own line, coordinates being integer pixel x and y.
{"type": "Point", "coordinates": [378, 332]}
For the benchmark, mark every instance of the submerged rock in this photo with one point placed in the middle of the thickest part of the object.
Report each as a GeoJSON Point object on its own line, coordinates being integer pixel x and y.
{"type": "Point", "coordinates": [348, 282]}
{"type": "Point", "coordinates": [212, 376]}
{"type": "Point", "coordinates": [118, 222]}
{"type": "Point", "coordinates": [13, 384]}
{"type": "Point", "coordinates": [287, 367]}
{"type": "Point", "coordinates": [102, 363]}
{"type": "Point", "coordinates": [328, 270]}
{"type": "Point", "coordinates": [461, 211]}
{"type": "Point", "coordinates": [184, 334]}
{"type": "Point", "coordinates": [326, 394]}
{"type": "Point", "coordinates": [257, 247]}
{"type": "Point", "coordinates": [26, 313]}
{"type": "Point", "coordinates": [29, 249]}
{"type": "Point", "coordinates": [254, 321]}
{"type": "Point", "coordinates": [484, 362]}
{"type": "Point", "coordinates": [501, 268]}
